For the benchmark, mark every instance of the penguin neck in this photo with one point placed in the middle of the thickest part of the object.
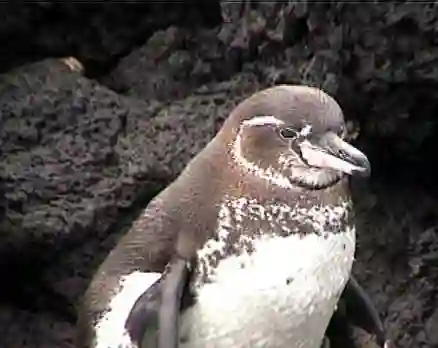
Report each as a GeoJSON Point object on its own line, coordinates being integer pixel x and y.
{"type": "Point", "coordinates": [314, 179]}
{"type": "Point", "coordinates": [242, 182]}
{"type": "Point", "coordinates": [271, 262]}
{"type": "Point", "coordinates": [253, 210]}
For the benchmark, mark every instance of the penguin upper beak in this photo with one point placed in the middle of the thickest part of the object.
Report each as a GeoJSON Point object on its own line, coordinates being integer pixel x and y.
{"type": "Point", "coordinates": [330, 151]}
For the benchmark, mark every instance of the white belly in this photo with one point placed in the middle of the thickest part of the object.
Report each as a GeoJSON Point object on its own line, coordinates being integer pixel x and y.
{"type": "Point", "coordinates": [282, 295]}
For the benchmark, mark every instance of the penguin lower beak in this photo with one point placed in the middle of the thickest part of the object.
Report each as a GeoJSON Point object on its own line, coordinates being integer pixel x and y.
{"type": "Point", "coordinates": [330, 151]}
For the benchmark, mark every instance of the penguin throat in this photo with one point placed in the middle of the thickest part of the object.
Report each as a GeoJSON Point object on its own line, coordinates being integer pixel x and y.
{"type": "Point", "coordinates": [313, 178]}
{"type": "Point", "coordinates": [290, 173]}
{"type": "Point", "coordinates": [306, 176]}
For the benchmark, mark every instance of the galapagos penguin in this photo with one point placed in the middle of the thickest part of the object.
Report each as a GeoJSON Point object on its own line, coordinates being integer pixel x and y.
{"type": "Point", "coordinates": [251, 246]}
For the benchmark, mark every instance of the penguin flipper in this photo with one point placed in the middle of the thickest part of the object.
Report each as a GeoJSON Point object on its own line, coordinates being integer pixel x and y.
{"type": "Point", "coordinates": [355, 308]}
{"type": "Point", "coordinates": [172, 289]}
{"type": "Point", "coordinates": [142, 320]}
{"type": "Point", "coordinates": [153, 320]}
{"type": "Point", "coordinates": [362, 312]}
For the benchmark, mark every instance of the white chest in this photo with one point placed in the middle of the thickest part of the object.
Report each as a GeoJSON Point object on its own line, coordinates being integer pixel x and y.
{"type": "Point", "coordinates": [282, 294]}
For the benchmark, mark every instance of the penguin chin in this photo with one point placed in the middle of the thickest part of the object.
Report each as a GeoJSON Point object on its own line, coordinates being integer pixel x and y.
{"type": "Point", "coordinates": [311, 177]}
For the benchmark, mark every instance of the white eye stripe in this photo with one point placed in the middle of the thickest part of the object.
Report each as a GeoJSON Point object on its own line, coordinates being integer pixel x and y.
{"type": "Point", "coordinates": [263, 120]}
{"type": "Point", "coordinates": [271, 120]}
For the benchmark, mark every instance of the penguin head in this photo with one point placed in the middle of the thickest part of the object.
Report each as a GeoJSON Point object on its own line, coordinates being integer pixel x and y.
{"type": "Point", "coordinates": [294, 136]}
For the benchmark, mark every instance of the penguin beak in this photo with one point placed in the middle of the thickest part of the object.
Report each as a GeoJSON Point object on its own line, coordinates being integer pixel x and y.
{"type": "Point", "coordinates": [330, 151]}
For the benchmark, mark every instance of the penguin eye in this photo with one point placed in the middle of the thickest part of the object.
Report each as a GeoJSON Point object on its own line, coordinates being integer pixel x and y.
{"type": "Point", "coordinates": [288, 133]}
{"type": "Point", "coordinates": [292, 133]}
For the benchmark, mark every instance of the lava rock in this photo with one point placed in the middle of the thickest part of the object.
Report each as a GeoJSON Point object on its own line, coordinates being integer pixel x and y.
{"type": "Point", "coordinates": [175, 62]}
{"type": "Point", "coordinates": [59, 166]}
{"type": "Point", "coordinates": [74, 153]}
{"type": "Point", "coordinates": [79, 160]}
{"type": "Point", "coordinates": [96, 33]}
{"type": "Point", "coordinates": [74, 156]}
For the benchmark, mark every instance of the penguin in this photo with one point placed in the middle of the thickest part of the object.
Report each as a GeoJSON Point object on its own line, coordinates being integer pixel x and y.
{"type": "Point", "coordinates": [357, 310]}
{"type": "Point", "coordinates": [251, 245]}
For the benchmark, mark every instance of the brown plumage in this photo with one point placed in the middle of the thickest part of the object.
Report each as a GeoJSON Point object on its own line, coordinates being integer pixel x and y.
{"type": "Point", "coordinates": [183, 216]}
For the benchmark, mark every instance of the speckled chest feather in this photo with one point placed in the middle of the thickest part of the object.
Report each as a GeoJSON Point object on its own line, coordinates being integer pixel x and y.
{"type": "Point", "coordinates": [271, 276]}
{"type": "Point", "coordinates": [244, 222]}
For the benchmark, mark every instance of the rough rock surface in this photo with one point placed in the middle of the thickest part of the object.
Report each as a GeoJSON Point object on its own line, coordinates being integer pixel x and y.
{"type": "Point", "coordinates": [79, 157]}
{"type": "Point", "coordinates": [95, 33]}
{"type": "Point", "coordinates": [74, 155]}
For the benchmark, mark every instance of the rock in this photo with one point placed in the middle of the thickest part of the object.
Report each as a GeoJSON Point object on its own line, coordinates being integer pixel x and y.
{"type": "Point", "coordinates": [96, 33]}
{"type": "Point", "coordinates": [73, 151]}
{"type": "Point", "coordinates": [431, 329]}
{"type": "Point", "coordinates": [64, 173]}
{"type": "Point", "coordinates": [74, 156]}
{"type": "Point", "coordinates": [156, 70]}
{"type": "Point", "coordinates": [25, 329]}
{"type": "Point", "coordinates": [389, 233]}
{"type": "Point", "coordinates": [58, 135]}
{"type": "Point", "coordinates": [176, 61]}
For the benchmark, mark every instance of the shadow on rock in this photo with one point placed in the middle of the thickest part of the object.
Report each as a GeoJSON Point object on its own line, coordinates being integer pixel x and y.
{"type": "Point", "coordinates": [396, 256]}
{"type": "Point", "coordinates": [98, 34]}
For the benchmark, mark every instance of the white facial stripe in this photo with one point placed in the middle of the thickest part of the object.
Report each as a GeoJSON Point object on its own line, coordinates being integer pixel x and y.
{"type": "Point", "coordinates": [306, 130]}
{"type": "Point", "coordinates": [267, 174]}
{"type": "Point", "coordinates": [292, 172]}
{"type": "Point", "coordinates": [263, 120]}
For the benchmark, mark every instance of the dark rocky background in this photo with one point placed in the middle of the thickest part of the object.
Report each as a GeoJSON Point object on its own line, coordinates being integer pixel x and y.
{"type": "Point", "coordinates": [103, 104]}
